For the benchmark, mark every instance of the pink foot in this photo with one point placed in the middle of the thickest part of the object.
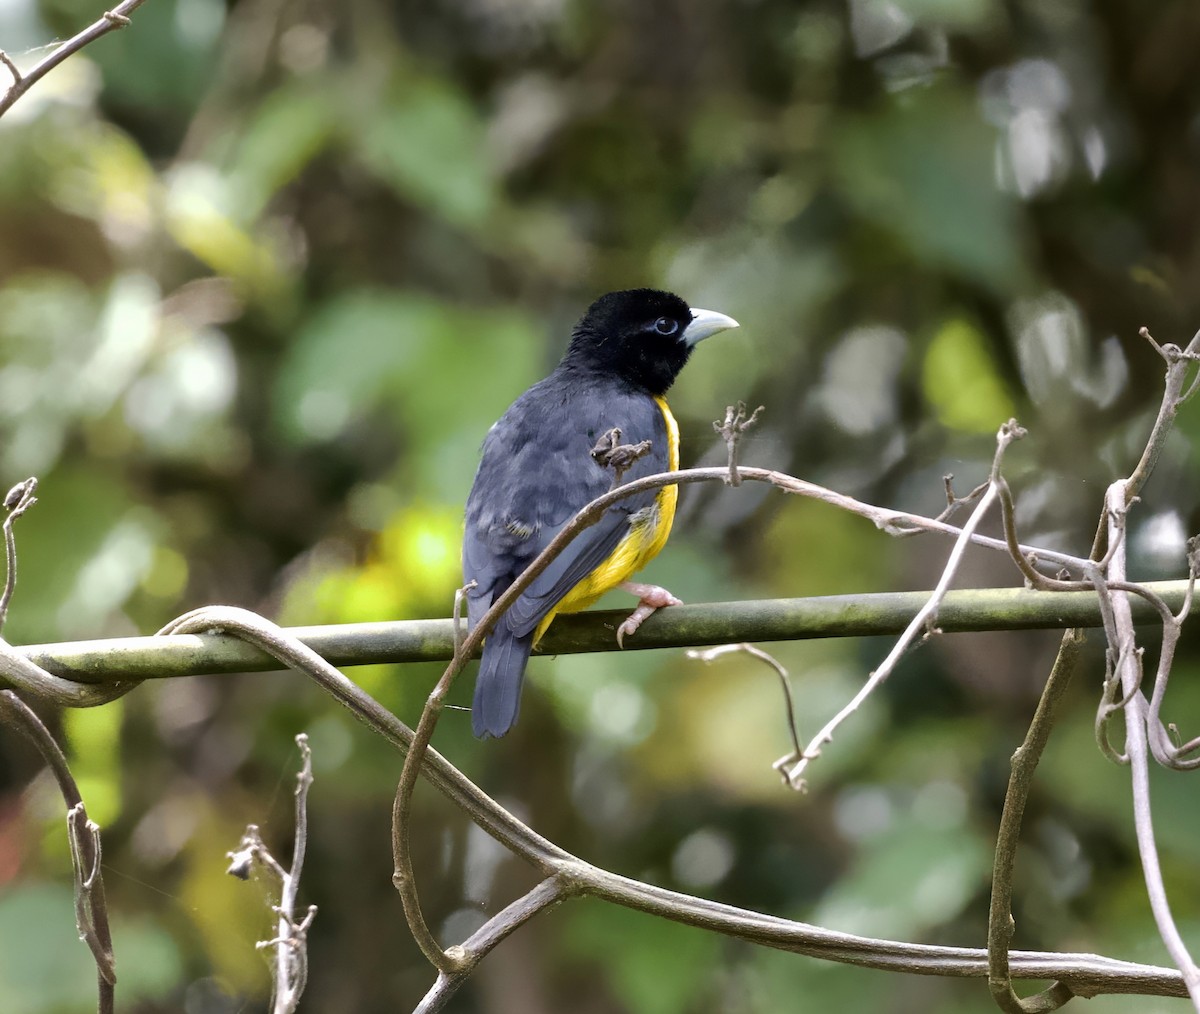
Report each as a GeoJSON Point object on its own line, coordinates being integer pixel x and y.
{"type": "Point", "coordinates": [650, 598]}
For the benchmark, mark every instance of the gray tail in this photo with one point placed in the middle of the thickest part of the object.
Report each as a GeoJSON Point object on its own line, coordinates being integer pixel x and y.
{"type": "Point", "coordinates": [498, 685]}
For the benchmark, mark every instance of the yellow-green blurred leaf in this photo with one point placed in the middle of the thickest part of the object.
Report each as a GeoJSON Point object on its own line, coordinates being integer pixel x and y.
{"type": "Point", "coordinates": [961, 381]}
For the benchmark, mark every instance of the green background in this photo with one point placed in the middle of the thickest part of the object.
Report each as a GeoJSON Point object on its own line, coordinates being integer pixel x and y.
{"type": "Point", "coordinates": [268, 271]}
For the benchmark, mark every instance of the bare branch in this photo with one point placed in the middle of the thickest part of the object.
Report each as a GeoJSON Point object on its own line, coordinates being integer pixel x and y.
{"type": "Point", "coordinates": [30, 678]}
{"type": "Point", "coordinates": [91, 908]}
{"type": "Point", "coordinates": [120, 670]}
{"type": "Point", "coordinates": [735, 424]}
{"type": "Point", "coordinates": [290, 964]}
{"type": "Point", "coordinates": [785, 684]}
{"type": "Point", "coordinates": [924, 620]}
{"type": "Point", "coordinates": [1167, 753]}
{"type": "Point", "coordinates": [609, 452]}
{"type": "Point", "coordinates": [109, 21]}
{"type": "Point", "coordinates": [1175, 392]}
{"type": "Point", "coordinates": [955, 503]}
{"type": "Point", "coordinates": [1001, 927]}
{"type": "Point", "coordinates": [17, 501]}
{"type": "Point", "coordinates": [1137, 749]}
{"type": "Point", "coordinates": [1088, 975]}
{"type": "Point", "coordinates": [11, 67]}
{"type": "Point", "coordinates": [468, 954]}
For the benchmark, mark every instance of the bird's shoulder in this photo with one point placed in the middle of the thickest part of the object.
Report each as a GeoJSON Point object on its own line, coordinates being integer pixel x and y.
{"type": "Point", "coordinates": [536, 467]}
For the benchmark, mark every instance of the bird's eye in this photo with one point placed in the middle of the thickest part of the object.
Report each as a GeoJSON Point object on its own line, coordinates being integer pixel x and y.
{"type": "Point", "coordinates": [665, 325]}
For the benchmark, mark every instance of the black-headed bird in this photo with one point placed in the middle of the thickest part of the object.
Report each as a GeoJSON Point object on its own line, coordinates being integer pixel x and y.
{"type": "Point", "coordinates": [537, 471]}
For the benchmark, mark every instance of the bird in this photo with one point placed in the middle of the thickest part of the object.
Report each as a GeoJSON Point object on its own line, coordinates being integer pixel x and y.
{"type": "Point", "coordinates": [537, 469]}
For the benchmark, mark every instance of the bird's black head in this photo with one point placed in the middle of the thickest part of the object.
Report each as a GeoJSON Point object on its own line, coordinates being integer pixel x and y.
{"type": "Point", "coordinates": [642, 335]}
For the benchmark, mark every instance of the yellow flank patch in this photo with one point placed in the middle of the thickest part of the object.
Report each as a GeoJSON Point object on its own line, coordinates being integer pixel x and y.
{"type": "Point", "coordinates": [647, 535]}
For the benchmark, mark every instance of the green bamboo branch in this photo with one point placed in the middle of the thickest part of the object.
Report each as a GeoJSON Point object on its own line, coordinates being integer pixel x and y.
{"type": "Point", "coordinates": [135, 658]}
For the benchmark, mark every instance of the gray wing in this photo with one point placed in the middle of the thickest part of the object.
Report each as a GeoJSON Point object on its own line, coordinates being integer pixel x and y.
{"type": "Point", "coordinates": [535, 474]}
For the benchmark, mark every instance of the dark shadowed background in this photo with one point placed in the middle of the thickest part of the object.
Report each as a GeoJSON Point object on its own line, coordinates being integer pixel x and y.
{"type": "Point", "coordinates": [269, 270]}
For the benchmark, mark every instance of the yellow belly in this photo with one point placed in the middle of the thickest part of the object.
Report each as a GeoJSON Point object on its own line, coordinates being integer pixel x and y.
{"type": "Point", "coordinates": [647, 535]}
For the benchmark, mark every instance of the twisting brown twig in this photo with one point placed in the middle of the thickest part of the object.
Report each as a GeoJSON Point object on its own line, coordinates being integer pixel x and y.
{"type": "Point", "coordinates": [954, 504]}
{"type": "Point", "coordinates": [471, 951]}
{"type": "Point", "coordinates": [1143, 730]}
{"type": "Point", "coordinates": [109, 21]}
{"type": "Point", "coordinates": [17, 501]}
{"type": "Point", "coordinates": [1167, 753]}
{"type": "Point", "coordinates": [1176, 390]}
{"type": "Point", "coordinates": [91, 909]}
{"type": "Point", "coordinates": [1137, 749]}
{"type": "Point", "coordinates": [1145, 736]}
{"type": "Point", "coordinates": [459, 595]}
{"type": "Point", "coordinates": [925, 620]}
{"type": "Point", "coordinates": [789, 703]}
{"type": "Point", "coordinates": [450, 962]}
{"type": "Point", "coordinates": [290, 943]}
{"type": "Point", "coordinates": [1088, 975]}
{"type": "Point", "coordinates": [1000, 921]}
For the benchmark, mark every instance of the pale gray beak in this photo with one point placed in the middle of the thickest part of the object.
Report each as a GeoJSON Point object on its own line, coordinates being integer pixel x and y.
{"type": "Point", "coordinates": [705, 324]}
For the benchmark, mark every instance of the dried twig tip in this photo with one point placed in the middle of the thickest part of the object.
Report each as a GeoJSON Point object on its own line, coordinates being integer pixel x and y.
{"type": "Point", "coordinates": [20, 498]}
{"type": "Point", "coordinates": [609, 452]}
{"type": "Point", "coordinates": [240, 863]}
{"type": "Point", "coordinates": [731, 429]}
{"type": "Point", "coordinates": [12, 67]}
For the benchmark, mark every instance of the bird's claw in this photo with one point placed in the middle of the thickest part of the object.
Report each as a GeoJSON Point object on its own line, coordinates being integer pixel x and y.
{"type": "Point", "coordinates": [650, 598]}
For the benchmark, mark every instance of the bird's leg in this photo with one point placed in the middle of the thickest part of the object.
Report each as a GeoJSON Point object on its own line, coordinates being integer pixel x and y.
{"type": "Point", "coordinates": [650, 598]}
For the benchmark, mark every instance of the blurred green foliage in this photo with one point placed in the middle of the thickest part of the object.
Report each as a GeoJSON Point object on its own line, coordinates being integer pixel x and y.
{"type": "Point", "coordinates": [269, 271]}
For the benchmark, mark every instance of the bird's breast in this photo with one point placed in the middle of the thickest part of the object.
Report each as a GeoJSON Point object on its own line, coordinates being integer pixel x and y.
{"type": "Point", "coordinates": [648, 532]}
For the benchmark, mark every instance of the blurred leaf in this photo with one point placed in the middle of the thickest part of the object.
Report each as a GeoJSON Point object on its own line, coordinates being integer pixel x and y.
{"type": "Point", "coordinates": [286, 131]}
{"type": "Point", "coordinates": [427, 142]}
{"type": "Point", "coordinates": [654, 966]}
{"type": "Point", "coordinates": [956, 15]}
{"type": "Point", "coordinates": [776, 979]}
{"type": "Point", "coordinates": [412, 571]}
{"type": "Point", "coordinates": [961, 381]}
{"type": "Point", "coordinates": [438, 369]}
{"type": "Point", "coordinates": [93, 737]}
{"type": "Point", "coordinates": [200, 218]}
{"type": "Point", "coordinates": [98, 171]}
{"type": "Point", "coordinates": [815, 550]}
{"type": "Point", "coordinates": [229, 914]}
{"type": "Point", "coordinates": [922, 169]}
{"type": "Point", "coordinates": [46, 330]}
{"type": "Point", "coordinates": [89, 503]}
{"type": "Point", "coordinates": [344, 359]}
{"type": "Point", "coordinates": [914, 877]}
{"type": "Point", "coordinates": [46, 969]}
